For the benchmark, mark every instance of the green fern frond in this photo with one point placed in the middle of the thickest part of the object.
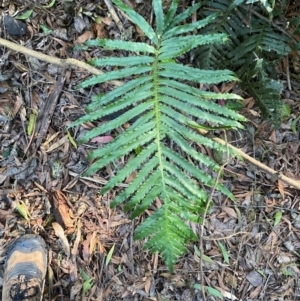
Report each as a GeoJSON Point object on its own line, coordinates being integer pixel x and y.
{"type": "Point", "coordinates": [250, 38]}
{"type": "Point", "coordinates": [266, 92]}
{"type": "Point", "coordinates": [162, 105]}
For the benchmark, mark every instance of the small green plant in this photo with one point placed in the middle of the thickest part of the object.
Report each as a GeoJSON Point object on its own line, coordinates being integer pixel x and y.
{"type": "Point", "coordinates": [159, 94]}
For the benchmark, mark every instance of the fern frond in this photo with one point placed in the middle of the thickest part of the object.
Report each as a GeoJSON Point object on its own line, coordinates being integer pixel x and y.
{"type": "Point", "coordinates": [136, 183]}
{"type": "Point", "coordinates": [162, 105]}
{"type": "Point", "coordinates": [135, 163]}
{"type": "Point", "coordinates": [250, 38]}
{"type": "Point", "coordinates": [266, 92]}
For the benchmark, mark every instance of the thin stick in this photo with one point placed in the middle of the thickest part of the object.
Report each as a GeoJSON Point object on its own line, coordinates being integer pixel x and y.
{"type": "Point", "coordinates": [65, 63]}
{"type": "Point", "coordinates": [276, 174]}
{"type": "Point", "coordinates": [114, 14]}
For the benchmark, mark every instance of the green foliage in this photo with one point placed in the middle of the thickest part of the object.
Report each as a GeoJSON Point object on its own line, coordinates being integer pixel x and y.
{"type": "Point", "coordinates": [254, 47]}
{"type": "Point", "coordinates": [163, 105]}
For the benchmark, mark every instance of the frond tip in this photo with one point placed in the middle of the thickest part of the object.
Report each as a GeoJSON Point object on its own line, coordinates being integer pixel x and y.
{"type": "Point", "coordinates": [161, 105]}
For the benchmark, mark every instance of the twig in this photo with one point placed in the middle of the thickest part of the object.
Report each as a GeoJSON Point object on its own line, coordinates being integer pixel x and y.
{"type": "Point", "coordinates": [277, 175]}
{"type": "Point", "coordinates": [288, 78]}
{"type": "Point", "coordinates": [114, 14]}
{"type": "Point", "coordinates": [47, 110]}
{"type": "Point", "coordinates": [64, 63]}
{"type": "Point", "coordinates": [225, 237]}
{"type": "Point", "coordinates": [269, 21]}
{"type": "Point", "coordinates": [263, 167]}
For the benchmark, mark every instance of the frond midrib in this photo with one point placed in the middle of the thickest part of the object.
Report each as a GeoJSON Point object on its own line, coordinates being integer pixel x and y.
{"type": "Point", "coordinates": [158, 125]}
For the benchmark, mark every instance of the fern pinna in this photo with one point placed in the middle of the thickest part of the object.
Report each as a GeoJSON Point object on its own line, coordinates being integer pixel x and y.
{"type": "Point", "coordinates": [159, 97]}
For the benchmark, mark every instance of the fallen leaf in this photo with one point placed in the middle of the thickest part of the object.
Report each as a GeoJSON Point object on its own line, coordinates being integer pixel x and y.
{"type": "Point", "coordinates": [281, 189]}
{"type": "Point", "coordinates": [59, 232]}
{"type": "Point", "coordinates": [230, 211]}
{"type": "Point", "coordinates": [103, 139]}
{"type": "Point", "coordinates": [84, 37]}
{"type": "Point", "coordinates": [62, 210]}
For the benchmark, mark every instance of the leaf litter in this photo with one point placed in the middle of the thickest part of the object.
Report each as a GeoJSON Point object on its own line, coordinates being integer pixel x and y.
{"type": "Point", "coordinates": [251, 247]}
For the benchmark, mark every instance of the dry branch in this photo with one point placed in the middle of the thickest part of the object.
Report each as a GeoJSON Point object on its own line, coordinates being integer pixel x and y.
{"type": "Point", "coordinates": [64, 63]}
{"type": "Point", "coordinates": [263, 167]}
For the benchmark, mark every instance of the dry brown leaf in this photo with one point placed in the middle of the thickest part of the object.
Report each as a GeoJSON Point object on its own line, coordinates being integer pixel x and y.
{"type": "Point", "coordinates": [272, 137]}
{"type": "Point", "coordinates": [281, 189]}
{"type": "Point", "coordinates": [147, 285]}
{"type": "Point", "coordinates": [85, 248]}
{"type": "Point", "coordinates": [84, 37]}
{"type": "Point", "coordinates": [57, 144]}
{"type": "Point", "coordinates": [100, 31]}
{"type": "Point", "coordinates": [59, 232]}
{"type": "Point", "coordinates": [255, 292]}
{"type": "Point", "coordinates": [131, 177]}
{"type": "Point", "coordinates": [93, 243]}
{"type": "Point", "coordinates": [17, 105]}
{"type": "Point", "coordinates": [226, 294]}
{"type": "Point", "coordinates": [62, 211]}
{"type": "Point", "coordinates": [74, 251]}
{"type": "Point", "coordinates": [249, 102]}
{"type": "Point", "coordinates": [226, 88]}
{"type": "Point", "coordinates": [230, 211]}
{"type": "Point", "coordinates": [48, 140]}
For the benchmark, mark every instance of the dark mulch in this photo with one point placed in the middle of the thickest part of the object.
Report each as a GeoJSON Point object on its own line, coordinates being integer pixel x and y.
{"type": "Point", "coordinates": [40, 175]}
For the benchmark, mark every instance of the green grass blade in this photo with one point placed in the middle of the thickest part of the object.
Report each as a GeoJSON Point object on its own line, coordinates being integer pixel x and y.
{"type": "Point", "coordinates": [224, 252]}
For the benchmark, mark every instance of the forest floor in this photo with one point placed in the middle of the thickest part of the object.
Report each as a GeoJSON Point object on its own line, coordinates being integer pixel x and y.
{"type": "Point", "coordinates": [251, 246]}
